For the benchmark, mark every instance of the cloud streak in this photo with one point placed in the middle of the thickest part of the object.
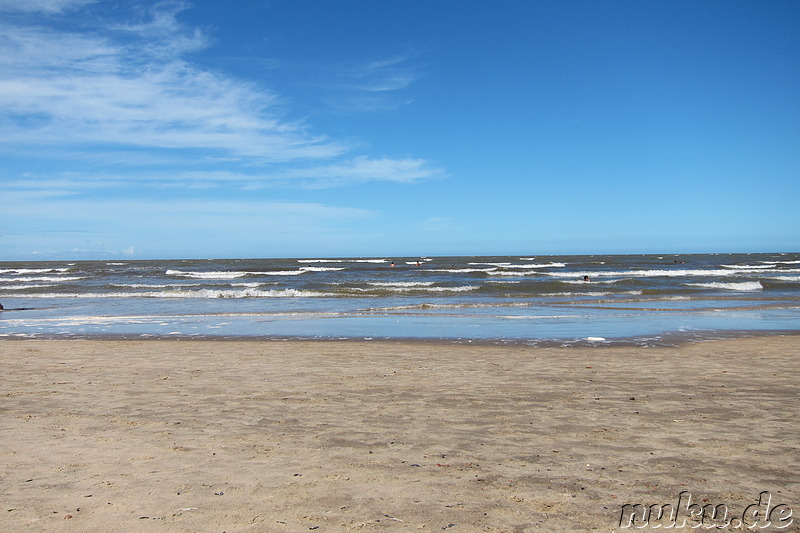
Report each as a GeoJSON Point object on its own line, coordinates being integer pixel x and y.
{"type": "Point", "coordinates": [370, 86]}
{"type": "Point", "coordinates": [106, 122]}
{"type": "Point", "coordinates": [69, 90]}
{"type": "Point", "coordinates": [360, 169]}
{"type": "Point", "coordinates": [129, 85]}
{"type": "Point", "coordinates": [42, 6]}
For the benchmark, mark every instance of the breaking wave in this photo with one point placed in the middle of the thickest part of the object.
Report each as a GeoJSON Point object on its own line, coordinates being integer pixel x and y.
{"type": "Point", "coordinates": [743, 286]}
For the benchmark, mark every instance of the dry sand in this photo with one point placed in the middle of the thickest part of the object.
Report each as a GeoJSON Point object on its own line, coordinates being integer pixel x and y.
{"type": "Point", "coordinates": [252, 436]}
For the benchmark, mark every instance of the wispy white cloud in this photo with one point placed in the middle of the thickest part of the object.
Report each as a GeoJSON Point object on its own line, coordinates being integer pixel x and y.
{"type": "Point", "coordinates": [160, 34]}
{"type": "Point", "coordinates": [125, 94]}
{"type": "Point", "coordinates": [47, 206]}
{"type": "Point", "coordinates": [369, 86]}
{"type": "Point", "coordinates": [362, 168]}
{"type": "Point", "coordinates": [79, 89]}
{"type": "Point", "coordinates": [390, 74]}
{"type": "Point", "coordinates": [43, 6]}
{"type": "Point", "coordinates": [118, 102]}
{"type": "Point", "coordinates": [355, 170]}
{"type": "Point", "coordinates": [88, 96]}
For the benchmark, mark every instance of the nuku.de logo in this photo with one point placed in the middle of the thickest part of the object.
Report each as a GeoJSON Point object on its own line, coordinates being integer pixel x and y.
{"type": "Point", "coordinates": [757, 516]}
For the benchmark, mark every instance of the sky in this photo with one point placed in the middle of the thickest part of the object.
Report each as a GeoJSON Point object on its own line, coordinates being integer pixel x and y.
{"type": "Point", "coordinates": [316, 128]}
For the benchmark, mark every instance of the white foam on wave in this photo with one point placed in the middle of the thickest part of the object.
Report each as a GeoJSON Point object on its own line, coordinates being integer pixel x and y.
{"type": "Point", "coordinates": [552, 263]}
{"type": "Point", "coordinates": [462, 270]}
{"type": "Point", "coordinates": [546, 265]}
{"type": "Point", "coordinates": [596, 282]}
{"type": "Point", "coordinates": [41, 278]}
{"type": "Point", "coordinates": [181, 286]}
{"type": "Point", "coordinates": [27, 287]}
{"type": "Point", "coordinates": [523, 265]}
{"type": "Point", "coordinates": [460, 305]}
{"type": "Point", "coordinates": [390, 288]}
{"type": "Point", "coordinates": [154, 285]}
{"type": "Point", "coordinates": [32, 270]}
{"type": "Point", "coordinates": [86, 320]}
{"type": "Point", "coordinates": [665, 273]}
{"type": "Point", "coordinates": [245, 293]}
{"type": "Point", "coordinates": [202, 293]}
{"type": "Point", "coordinates": [228, 274]}
{"type": "Point", "coordinates": [749, 267]}
{"type": "Point", "coordinates": [320, 269]}
{"type": "Point", "coordinates": [743, 286]}
{"type": "Point", "coordinates": [342, 261]}
{"type": "Point", "coordinates": [206, 275]}
{"type": "Point", "coordinates": [518, 273]}
{"type": "Point", "coordinates": [464, 288]}
{"type": "Point", "coordinates": [403, 284]}
{"type": "Point", "coordinates": [594, 293]}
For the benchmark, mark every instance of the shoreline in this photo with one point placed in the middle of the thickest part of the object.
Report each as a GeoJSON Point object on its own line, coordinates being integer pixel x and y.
{"type": "Point", "coordinates": [634, 299]}
{"type": "Point", "coordinates": [247, 436]}
{"type": "Point", "coordinates": [661, 340]}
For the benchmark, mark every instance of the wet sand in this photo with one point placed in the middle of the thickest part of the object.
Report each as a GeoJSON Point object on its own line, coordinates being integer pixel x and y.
{"type": "Point", "coordinates": [262, 436]}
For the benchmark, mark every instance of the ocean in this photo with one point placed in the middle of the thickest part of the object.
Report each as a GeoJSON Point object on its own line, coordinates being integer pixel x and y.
{"type": "Point", "coordinates": [541, 300]}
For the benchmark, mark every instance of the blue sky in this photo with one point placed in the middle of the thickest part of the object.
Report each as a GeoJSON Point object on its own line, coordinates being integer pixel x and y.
{"type": "Point", "coordinates": [309, 128]}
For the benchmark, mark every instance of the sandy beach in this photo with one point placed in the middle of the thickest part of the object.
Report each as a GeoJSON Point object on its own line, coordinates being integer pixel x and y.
{"type": "Point", "coordinates": [252, 436]}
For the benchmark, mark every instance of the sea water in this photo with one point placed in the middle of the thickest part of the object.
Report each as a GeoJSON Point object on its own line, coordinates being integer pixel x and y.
{"type": "Point", "coordinates": [640, 299]}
